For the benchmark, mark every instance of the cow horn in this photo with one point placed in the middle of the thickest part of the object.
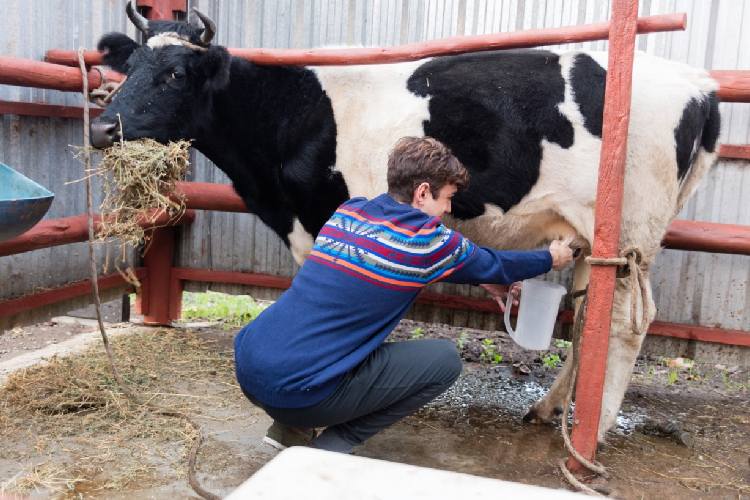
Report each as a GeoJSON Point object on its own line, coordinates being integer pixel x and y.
{"type": "Point", "coordinates": [209, 27]}
{"type": "Point", "coordinates": [138, 20]}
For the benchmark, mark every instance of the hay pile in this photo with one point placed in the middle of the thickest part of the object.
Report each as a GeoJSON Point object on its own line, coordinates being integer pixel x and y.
{"type": "Point", "coordinates": [138, 180]}
{"type": "Point", "coordinates": [79, 431]}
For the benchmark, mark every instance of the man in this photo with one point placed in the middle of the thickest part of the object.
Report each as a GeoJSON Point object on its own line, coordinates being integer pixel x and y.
{"type": "Point", "coordinates": [316, 357]}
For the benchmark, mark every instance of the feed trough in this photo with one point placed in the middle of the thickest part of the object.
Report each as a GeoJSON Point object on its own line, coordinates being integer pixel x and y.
{"type": "Point", "coordinates": [23, 203]}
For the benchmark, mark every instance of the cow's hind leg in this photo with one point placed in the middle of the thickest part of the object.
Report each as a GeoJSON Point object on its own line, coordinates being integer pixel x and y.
{"type": "Point", "coordinates": [550, 406]}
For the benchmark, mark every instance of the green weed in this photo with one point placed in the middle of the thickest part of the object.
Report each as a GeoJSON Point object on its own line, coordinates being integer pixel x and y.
{"type": "Point", "coordinates": [551, 360]}
{"type": "Point", "coordinates": [562, 344]}
{"type": "Point", "coordinates": [489, 353]}
{"type": "Point", "coordinates": [231, 310]}
{"type": "Point", "coordinates": [417, 333]}
{"type": "Point", "coordinates": [461, 340]}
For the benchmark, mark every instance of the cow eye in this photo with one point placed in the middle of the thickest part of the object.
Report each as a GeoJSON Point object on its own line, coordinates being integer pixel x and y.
{"type": "Point", "coordinates": [176, 75]}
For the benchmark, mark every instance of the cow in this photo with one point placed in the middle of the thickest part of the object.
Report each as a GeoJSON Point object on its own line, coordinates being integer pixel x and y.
{"type": "Point", "coordinates": [298, 141]}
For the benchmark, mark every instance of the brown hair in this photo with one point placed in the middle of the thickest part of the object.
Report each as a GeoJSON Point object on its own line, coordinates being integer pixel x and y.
{"type": "Point", "coordinates": [415, 160]}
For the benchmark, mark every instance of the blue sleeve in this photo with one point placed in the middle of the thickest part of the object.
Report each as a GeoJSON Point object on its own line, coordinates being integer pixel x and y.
{"type": "Point", "coordinates": [503, 267]}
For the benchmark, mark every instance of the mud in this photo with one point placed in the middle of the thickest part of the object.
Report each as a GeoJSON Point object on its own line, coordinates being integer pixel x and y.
{"type": "Point", "coordinates": [475, 427]}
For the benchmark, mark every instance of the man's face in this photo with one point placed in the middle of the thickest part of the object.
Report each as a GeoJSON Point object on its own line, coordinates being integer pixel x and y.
{"type": "Point", "coordinates": [436, 207]}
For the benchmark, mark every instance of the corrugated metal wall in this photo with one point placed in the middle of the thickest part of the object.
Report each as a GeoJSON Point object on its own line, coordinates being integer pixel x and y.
{"type": "Point", "coordinates": [40, 147]}
{"type": "Point", "coordinates": [691, 287]}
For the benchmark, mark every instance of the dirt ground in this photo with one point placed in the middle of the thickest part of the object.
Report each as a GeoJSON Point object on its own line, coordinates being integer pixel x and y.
{"type": "Point", "coordinates": [684, 431]}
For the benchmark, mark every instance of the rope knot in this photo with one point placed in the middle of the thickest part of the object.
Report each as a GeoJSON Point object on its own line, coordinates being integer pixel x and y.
{"type": "Point", "coordinates": [631, 261]}
{"type": "Point", "coordinates": [106, 91]}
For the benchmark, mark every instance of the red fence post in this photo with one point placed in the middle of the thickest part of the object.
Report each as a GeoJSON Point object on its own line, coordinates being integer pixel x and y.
{"type": "Point", "coordinates": [160, 300]}
{"type": "Point", "coordinates": [595, 338]}
{"type": "Point", "coordinates": [162, 9]}
{"type": "Point", "coordinates": [159, 260]}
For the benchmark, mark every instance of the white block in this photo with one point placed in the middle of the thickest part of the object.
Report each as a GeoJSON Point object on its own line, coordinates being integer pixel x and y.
{"type": "Point", "coordinates": [310, 474]}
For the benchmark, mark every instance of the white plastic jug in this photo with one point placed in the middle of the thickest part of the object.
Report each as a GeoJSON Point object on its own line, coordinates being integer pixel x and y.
{"type": "Point", "coordinates": [540, 301]}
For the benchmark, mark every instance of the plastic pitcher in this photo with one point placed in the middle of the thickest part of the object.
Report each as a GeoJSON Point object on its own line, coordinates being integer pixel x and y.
{"type": "Point", "coordinates": [540, 301]}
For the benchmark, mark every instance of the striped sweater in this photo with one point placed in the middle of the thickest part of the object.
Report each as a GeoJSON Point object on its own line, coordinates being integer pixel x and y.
{"type": "Point", "coordinates": [366, 268]}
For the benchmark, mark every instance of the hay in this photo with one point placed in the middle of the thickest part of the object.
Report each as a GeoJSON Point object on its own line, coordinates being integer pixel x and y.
{"type": "Point", "coordinates": [73, 404]}
{"type": "Point", "coordinates": [138, 180]}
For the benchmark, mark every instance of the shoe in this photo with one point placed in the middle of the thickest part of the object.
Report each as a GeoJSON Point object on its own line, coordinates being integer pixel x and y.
{"type": "Point", "coordinates": [282, 436]}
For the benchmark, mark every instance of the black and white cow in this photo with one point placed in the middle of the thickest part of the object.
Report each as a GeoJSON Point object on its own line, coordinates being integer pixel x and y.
{"type": "Point", "coordinates": [298, 141]}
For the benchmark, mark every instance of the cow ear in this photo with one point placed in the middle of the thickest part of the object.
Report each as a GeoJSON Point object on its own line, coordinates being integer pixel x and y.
{"type": "Point", "coordinates": [215, 64]}
{"type": "Point", "coordinates": [116, 49]}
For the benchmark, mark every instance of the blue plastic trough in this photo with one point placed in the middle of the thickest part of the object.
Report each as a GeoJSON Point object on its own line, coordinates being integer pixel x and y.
{"type": "Point", "coordinates": [23, 203]}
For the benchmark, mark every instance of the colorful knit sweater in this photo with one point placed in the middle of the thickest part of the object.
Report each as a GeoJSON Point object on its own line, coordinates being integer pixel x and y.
{"type": "Point", "coordinates": [367, 266]}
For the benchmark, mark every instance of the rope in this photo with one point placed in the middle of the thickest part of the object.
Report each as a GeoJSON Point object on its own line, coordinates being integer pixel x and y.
{"type": "Point", "coordinates": [192, 480]}
{"type": "Point", "coordinates": [594, 466]}
{"type": "Point", "coordinates": [631, 257]}
{"type": "Point", "coordinates": [106, 90]}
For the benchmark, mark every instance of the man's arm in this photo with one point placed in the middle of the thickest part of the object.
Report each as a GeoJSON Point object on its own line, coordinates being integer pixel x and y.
{"type": "Point", "coordinates": [503, 267]}
{"type": "Point", "coordinates": [485, 265]}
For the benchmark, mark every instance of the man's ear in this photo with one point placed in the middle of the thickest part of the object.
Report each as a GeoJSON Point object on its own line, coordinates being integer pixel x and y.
{"type": "Point", "coordinates": [215, 65]}
{"type": "Point", "coordinates": [420, 193]}
{"type": "Point", "coordinates": [116, 49]}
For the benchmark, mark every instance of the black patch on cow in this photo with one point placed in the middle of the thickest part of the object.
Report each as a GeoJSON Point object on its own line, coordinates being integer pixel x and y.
{"type": "Point", "coordinates": [699, 125]}
{"type": "Point", "coordinates": [493, 109]}
{"type": "Point", "coordinates": [588, 81]}
{"type": "Point", "coordinates": [270, 129]}
{"type": "Point", "coordinates": [273, 132]}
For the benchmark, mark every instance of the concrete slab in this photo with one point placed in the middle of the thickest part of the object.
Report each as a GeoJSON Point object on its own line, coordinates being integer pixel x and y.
{"type": "Point", "coordinates": [321, 475]}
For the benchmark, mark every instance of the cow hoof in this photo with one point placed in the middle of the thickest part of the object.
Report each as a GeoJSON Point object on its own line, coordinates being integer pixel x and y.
{"type": "Point", "coordinates": [530, 417]}
{"type": "Point", "coordinates": [533, 416]}
{"type": "Point", "coordinates": [537, 415]}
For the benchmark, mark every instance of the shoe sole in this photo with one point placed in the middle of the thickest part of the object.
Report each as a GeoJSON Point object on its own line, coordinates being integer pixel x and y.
{"type": "Point", "coordinates": [273, 443]}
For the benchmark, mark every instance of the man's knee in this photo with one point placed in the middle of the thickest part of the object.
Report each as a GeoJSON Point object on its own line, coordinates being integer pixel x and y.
{"type": "Point", "coordinates": [447, 358]}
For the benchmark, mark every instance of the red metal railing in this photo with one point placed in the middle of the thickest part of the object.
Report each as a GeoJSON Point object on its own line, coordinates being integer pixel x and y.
{"type": "Point", "coordinates": [414, 51]}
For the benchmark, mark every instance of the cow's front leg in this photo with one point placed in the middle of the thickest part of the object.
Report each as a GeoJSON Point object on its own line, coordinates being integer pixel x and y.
{"type": "Point", "coordinates": [550, 406]}
{"type": "Point", "coordinates": [624, 346]}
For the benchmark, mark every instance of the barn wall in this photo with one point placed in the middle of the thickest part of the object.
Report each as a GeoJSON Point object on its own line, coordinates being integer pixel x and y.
{"type": "Point", "coordinates": [40, 148]}
{"type": "Point", "coordinates": [690, 287]}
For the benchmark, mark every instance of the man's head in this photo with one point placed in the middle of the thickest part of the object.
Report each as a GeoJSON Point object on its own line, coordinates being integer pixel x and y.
{"type": "Point", "coordinates": [423, 172]}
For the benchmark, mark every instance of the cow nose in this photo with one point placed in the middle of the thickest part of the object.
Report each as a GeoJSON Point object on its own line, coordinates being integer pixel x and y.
{"type": "Point", "coordinates": [103, 134]}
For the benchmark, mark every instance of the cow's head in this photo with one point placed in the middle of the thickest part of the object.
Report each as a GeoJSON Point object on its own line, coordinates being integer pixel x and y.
{"type": "Point", "coordinates": [171, 80]}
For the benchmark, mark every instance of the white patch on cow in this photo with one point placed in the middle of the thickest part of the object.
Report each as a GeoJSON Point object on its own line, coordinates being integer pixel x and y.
{"type": "Point", "coordinates": [373, 109]}
{"type": "Point", "coordinates": [493, 210]}
{"type": "Point", "coordinates": [300, 242]}
{"type": "Point", "coordinates": [164, 39]}
{"type": "Point", "coordinates": [652, 193]}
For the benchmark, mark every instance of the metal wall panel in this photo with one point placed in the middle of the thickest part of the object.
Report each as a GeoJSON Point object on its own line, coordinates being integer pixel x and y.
{"type": "Point", "coordinates": [40, 147]}
{"type": "Point", "coordinates": [690, 287]}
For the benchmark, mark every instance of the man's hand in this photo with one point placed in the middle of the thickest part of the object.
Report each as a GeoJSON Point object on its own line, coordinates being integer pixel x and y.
{"type": "Point", "coordinates": [562, 255]}
{"type": "Point", "coordinates": [500, 293]}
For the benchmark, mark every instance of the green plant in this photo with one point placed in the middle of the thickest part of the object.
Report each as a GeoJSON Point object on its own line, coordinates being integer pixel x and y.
{"type": "Point", "coordinates": [672, 377]}
{"type": "Point", "coordinates": [551, 360]}
{"type": "Point", "coordinates": [461, 340]}
{"type": "Point", "coordinates": [417, 333]}
{"type": "Point", "coordinates": [562, 344]}
{"type": "Point", "coordinates": [231, 310]}
{"type": "Point", "coordinates": [489, 353]}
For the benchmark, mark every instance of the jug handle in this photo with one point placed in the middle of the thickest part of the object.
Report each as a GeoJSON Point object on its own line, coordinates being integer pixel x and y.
{"type": "Point", "coordinates": [506, 317]}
